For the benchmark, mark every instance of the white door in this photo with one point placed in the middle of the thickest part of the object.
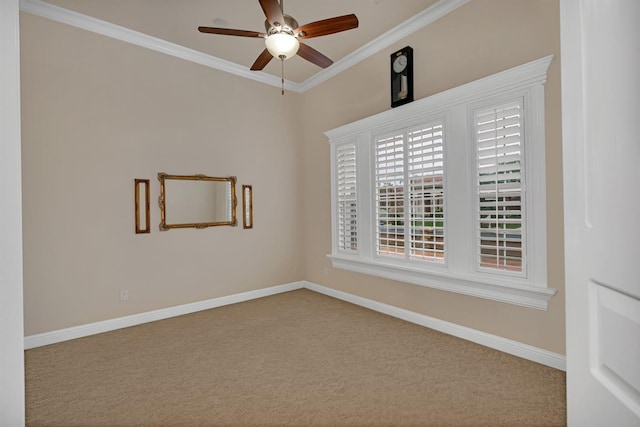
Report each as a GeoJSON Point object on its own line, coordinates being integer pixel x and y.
{"type": "Point", "coordinates": [601, 160]}
{"type": "Point", "coordinates": [12, 410]}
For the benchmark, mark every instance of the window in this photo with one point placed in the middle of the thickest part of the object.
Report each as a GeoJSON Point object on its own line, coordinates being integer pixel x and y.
{"type": "Point", "coordinates": [436, 192]}
{"type": "Point", "coordinates": [347, 200]}
{"type": "Point", "coordinates": [500, 229]}
{"type": "Point", "coordinates": [409, 172]}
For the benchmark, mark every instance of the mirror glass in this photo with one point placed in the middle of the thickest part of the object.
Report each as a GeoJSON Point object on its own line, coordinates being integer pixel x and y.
{"type": "Point", "coordinates": [196, 201]}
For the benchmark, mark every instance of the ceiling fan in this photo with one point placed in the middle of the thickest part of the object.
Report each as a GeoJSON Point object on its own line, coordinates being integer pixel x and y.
{"type": "Point", "coordinates": [283, 35]}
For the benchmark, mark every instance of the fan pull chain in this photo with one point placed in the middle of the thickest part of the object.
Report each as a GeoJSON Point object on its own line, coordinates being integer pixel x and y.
{"type": "Point", "coordinates": [282, 72]}
{"type": "Point", "coordinates": [282, 58]}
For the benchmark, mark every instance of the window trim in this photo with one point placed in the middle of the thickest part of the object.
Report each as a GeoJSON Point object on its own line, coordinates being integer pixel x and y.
{"type": "Point", "coordinates": [456, 106]}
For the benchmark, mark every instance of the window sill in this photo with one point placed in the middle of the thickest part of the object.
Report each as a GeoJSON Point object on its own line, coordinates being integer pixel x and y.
{"type": "Point", "coordinates": [524, 295]}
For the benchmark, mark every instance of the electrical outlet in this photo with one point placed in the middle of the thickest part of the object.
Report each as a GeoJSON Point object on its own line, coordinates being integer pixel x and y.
{"type": "Point", "coordinates": [124, 295]}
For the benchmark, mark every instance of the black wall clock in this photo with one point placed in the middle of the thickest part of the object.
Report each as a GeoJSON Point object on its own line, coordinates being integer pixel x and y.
{"type": "Point", "coordinates": [402, 76]}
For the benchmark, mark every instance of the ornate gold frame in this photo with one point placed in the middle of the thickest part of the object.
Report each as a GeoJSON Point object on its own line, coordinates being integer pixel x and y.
{"type": "Point", "coordinates": [162, 201]}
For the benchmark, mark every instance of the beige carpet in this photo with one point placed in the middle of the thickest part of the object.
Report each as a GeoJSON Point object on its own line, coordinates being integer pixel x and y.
{"type": "Point", "coordinates": [298, 358]}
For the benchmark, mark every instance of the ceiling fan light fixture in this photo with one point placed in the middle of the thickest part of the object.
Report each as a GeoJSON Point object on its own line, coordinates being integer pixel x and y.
{"type": "Point", "coordinates": [282, 45]}
{"type": "Point", "coordinates": [282, 33]}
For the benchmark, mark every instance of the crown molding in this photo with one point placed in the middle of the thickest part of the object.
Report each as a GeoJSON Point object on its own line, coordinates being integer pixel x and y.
{"type": "Point", "coordinates": [516, 78]}
{"type": "Point", "coordinates": [98, 26]}
{"type": "Point", "coordinates": [397, 33]}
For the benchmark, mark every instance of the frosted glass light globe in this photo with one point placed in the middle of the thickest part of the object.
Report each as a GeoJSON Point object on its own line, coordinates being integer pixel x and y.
{"type": "Point", "coordinates": [282, 45]}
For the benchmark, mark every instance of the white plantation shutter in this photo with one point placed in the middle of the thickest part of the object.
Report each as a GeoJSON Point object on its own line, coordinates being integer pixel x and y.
{"type": "Point", "coordinates": [426, 189]}
{"type": "Point", "coordinates": [409, 172]}
{"type": "Point", "coordinates": [389, 181]}
{"type": "Point", "coordinates": [499, 154]}
{"type": "Point", "coordinates": [347, 198]}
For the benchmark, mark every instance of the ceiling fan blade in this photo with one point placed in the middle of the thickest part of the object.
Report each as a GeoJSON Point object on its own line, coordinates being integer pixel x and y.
{"type": "Point", "coordinates": [262, 61]}
{"type": "Point", "coordinates": [312, 55]}
{"type": "Point", "coordinates": [272, 11]}
{"type": "Point", "coordinates": [327, 26]}
{"type": "Point", "coordinates": [230, 32]}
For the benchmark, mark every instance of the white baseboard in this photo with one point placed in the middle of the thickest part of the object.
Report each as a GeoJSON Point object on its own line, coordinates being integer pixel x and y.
{"type": "Point", "coordinates": [515, 348]}
{"type": "Point", "coordinates": [60, 335]}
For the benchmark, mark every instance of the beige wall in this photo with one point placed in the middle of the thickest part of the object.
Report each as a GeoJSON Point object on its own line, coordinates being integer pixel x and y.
{"type": "Point", "coordinates": [98, 113]}
{"type": "Point", "coordinates": [479, 39]}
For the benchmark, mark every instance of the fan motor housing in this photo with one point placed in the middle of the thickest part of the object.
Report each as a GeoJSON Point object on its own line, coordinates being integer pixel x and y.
{"type": "Point", "coordinates": [290, 24]}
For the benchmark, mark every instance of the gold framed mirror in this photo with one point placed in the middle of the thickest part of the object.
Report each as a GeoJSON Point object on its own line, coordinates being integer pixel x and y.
{"type": "Point", "coordinates": [196, 201]}
{"type": "Point", "coordinates": [247, 206]}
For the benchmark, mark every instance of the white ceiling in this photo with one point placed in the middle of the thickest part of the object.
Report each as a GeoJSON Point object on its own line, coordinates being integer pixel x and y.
{"type": "Point", "coordinates": [176, 21]}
